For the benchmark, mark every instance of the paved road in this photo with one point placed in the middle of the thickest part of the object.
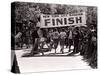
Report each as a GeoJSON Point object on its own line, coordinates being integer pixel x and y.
{"type": "Point", "coordinates": [50, 62]}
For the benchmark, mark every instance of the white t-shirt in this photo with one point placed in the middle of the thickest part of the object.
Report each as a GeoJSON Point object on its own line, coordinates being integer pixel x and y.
{"type": "Point", "coordinates": [70, 35]}
{"type": "Point", "coordinates": [62, 35]}
{"type": "Point", "coordinates": [40, 33]}
{"type": "Point", "coordinates": [55, 35]}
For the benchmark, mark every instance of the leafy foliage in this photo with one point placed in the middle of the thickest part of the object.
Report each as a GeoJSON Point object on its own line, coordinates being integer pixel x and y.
{"type": "Point", "coordinates": [32, 11]}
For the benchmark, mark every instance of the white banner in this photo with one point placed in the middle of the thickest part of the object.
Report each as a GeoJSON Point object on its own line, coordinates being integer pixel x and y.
{"type": "Point", "coordinates": [48, 21]}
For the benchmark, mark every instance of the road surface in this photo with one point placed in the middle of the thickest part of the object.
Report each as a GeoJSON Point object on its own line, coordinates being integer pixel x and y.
{"type": "Point", "coordinates": [49, 62]}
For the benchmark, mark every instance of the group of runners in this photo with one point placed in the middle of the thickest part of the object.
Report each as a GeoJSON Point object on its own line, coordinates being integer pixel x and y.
{"type": "Point", "coordinates": [52, 37]}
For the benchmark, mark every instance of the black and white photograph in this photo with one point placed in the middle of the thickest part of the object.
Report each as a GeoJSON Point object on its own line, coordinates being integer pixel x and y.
{"type": "Point", "coordinates": [53, 37]}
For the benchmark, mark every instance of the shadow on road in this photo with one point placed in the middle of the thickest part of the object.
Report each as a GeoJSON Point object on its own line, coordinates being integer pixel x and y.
{"type": "Point", "coordinates": [66, 54]}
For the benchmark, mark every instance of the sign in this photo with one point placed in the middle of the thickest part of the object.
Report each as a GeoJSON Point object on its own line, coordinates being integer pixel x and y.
{"type": "Point", "coordinates": [56, 20]}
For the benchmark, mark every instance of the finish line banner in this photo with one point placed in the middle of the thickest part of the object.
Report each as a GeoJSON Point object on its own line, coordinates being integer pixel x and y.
{"type": "Point", "coordinates": [48, 21]}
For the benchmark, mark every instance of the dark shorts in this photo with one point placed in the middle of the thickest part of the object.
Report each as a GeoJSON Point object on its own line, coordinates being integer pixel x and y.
{"type": "Point", "coordinates": [70, 41]}
{"type": "Point", "coordinates": [62, 42]}
{"type": "Point", "coordinates": [55, 42]}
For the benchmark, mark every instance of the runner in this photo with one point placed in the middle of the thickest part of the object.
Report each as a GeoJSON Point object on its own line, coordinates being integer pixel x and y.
{"type": "Point", "coordinates": [62, 39]}
{"type": "Point", "coordinates": [50, 39]}
{"type": "Point", "coordinates": [76, 40]}
{"type": "Point", "coordinates": [55, 39]}
{"type": "Point", "coordinates": [70, 38]}
{"type": "Point", "coordinates": [37, 40]}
